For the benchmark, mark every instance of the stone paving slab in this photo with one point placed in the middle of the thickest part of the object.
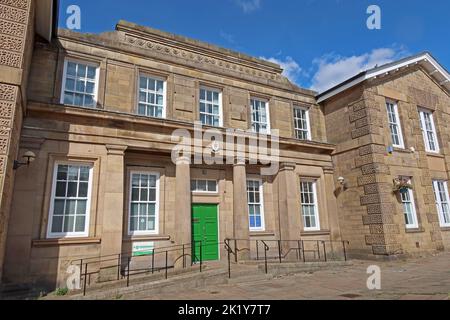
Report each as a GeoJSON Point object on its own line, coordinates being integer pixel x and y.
{"type": "Point", "coordinates": [425, 278]}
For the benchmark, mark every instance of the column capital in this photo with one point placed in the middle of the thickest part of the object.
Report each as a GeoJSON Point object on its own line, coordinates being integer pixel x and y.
{"type": "Point", "coordinates": [183, 160]}
{"type": "Point", "coordinates": [289, 166]}
{"type": "Point", "coordinates": [116, 149]}
{"type": "Point", "coordinates": [328, 170]}
{"type": "Point", "coordinates": [239, 163]}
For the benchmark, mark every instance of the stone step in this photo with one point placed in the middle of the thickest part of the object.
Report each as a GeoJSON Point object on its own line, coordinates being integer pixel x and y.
{"type": "Point", "coordinates": [185, 279]}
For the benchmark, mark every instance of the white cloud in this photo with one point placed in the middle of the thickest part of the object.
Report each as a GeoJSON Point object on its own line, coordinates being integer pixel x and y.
{"type": "Point", "coordinates": [248, 5]}
{"type": "Point", "coordinates": [333, 69]}
{"type": "Point", "coordinates": [291, 69]}
{"type": "Point", "coordinates": [227, 37]}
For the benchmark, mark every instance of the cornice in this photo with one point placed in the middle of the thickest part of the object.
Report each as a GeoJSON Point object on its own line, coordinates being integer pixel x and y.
{"type": "Point", "coordinates": [162, 124]}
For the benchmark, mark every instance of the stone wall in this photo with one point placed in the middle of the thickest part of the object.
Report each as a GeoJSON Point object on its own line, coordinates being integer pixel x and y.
{"type": "Point", "coordinates": [371, 215]}
{"type": "Point", "coordinates": [16, 38]}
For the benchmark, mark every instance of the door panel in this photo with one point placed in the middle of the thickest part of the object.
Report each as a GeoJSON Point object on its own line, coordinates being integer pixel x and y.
{"type": "Point", "coordinates": [205, 230]}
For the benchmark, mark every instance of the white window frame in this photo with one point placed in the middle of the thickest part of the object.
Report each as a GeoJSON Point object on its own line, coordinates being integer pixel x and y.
{"type": "Point", "coordinates": [97, 79]}
{"type": "Point", "coordinates": [157, 202]}
{"type": "Point", "coordinates": [422, 112]}
{"type": "Point", "coordinates": [397, 123]}
{"type": "Point", "coordinates": [308, 129]}
{"type": "Point", "coordinates": [261, 203]}
{"type": "Point", "coordinates": [203, 192]}
{"type": "Point", "coordinates": [266, 103]}
{"type": "Point", "coordinates": [153, 77]}
{"type": "Point", "coordinates": [315, 204]}
{"type": "Point", "coordinates": [220, 105]}
{"type": "Point", "coordinates": [439, 203]}
{"type": "Point", "coordinates": [410, 193]}
{"type": "Point", "coordinates": [53, 235]}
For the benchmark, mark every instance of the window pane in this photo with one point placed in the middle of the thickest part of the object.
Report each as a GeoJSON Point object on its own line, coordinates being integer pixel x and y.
{"type": "Point", "coordinates": [70, 207]}
{"type": "Point", "coordinates": [58, 207]}
{"type": "Point", "coordinates": [135, 194]}
{"type": "Point", "coordinates": [80, 223]}
{"type": "Point", "coordinates": [70, 84]}
{"type": "Point", "coordinates": [90, 87]}
{"type": "Point", "coordinates": [201, 185]}
{"type": "Point", "coordinates": [91, 72]}
{"type": "Point", "coordinates": [152, 195]}
{"type": "Point", "coordinates": [81, 86]}
{"type": "Point", "coordinates": [83, 189]}
{"type": "Point", "coordinates": [57, 224]}
{"type": "Point", "coordinates": [81, 71]}
{"type": "Point", "coordinates": [81, 207]}
{"type": "Point", "coordinates": [69, 223]}
{"type": "Point", "coordinates": [68, 98]}
{"type": "Point", "coordinates": [78, 99]}
{"type": "Point", "coordinates": [160, 86]}
{"type": "Point", "coordinates": [71, 68]}
{"type": "Point", "coordinates": [144, 194]}
{"type": "Point", "coordinates": [212, 186]}
{"type": "Point", "coordinates": [60, 189]}
{"type": "Point", "coordinates": [72, 189]}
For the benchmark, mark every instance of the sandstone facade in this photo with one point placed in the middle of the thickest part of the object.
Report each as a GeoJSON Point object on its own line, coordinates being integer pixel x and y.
{"type": "Point", "coordinates": [349, 137]}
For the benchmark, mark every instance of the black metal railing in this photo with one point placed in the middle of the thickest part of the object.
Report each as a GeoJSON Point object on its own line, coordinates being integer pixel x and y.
{"type": "Point", "coordinates": [163, 259]}
{"type": "Point", "coordinates": [291, 250]}
{"type": "Point", "coordinates": [148, 262]}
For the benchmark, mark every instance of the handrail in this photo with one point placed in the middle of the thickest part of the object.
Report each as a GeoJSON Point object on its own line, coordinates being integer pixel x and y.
{"type": "Point", "coordinates": [119, 258]}
{"type": "Point", "coordinates": [189, 250]}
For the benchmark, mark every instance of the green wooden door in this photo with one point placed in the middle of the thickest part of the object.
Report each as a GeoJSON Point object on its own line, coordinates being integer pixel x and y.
{"type": "Point", "coordinates": [205, 230]}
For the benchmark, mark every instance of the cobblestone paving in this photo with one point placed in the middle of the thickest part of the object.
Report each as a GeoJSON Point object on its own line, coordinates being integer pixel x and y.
{"type": "Point", "coordinates": [420, 278]}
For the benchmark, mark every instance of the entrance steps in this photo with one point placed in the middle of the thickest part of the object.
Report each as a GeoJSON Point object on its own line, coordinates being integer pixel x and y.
{"type": "Point", "coordinates": [215, 273]}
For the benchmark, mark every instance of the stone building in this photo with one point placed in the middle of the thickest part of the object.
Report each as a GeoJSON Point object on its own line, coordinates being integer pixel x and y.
{"type": "Point", "coordinates": [99, 112]}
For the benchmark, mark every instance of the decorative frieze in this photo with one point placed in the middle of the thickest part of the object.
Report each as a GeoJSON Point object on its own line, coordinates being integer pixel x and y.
{"type": "Point", "coordinates": [11, 43]}
{"type": "Point", "coordinates": [13, 14]}
{"type": "Point", "coordinates": [200, 59]}
{"type": "Point", "coordinates": [10, 59]}
{"type": "Point", "coordinates": [375, 168]}
{"type": "Point", "coordinates": [21, 4]}
{"type": "Point", "coordinates": [2, 164]}
{"type": "Point", "coordinates": [7, 92]}
{"type": "Point", "coordinates": [381, 208]}
{"type": "Point", "coordinates": [12, 28]}
{"type": "Point", "coordinates": [378, 219]}
{"type": "Point", "coordinates": [372, 148]}
{"type": "Point", "coordinates": [4, 144]}
{"type": "Point", "coordinates": [6, 109]}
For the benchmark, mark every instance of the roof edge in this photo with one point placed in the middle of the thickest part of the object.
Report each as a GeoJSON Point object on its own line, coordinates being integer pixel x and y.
{"type": "Point", "coordinates": [424, 58]}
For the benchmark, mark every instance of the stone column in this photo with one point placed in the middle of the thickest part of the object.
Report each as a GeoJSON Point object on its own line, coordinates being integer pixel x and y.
{"type": "Point", "coordinates": [240, 210]}
{"type": "Point", "coordinates": [288, 206]}
{"type": "Point", "coordinates": [333, 220]}
{"type": "Point", "coordinates": [183, 207]}
{"type": "Point", "coordinates": [288, 203]}
{"type": "Point", "coordinates": [113, 209]}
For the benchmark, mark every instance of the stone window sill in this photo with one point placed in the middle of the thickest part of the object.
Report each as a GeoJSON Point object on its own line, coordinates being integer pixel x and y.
{"type": "Point", "coordinates": [445, 228]}
{"type": "Point", "coordinates": [64, 241]}
{"type": "Point", "coordinates": [415, 230]}
{"type": "Point", "coordinates": [401, 150]}
{"type": "Point", "coordinates": [436, 155]}
{"type": "Point", "coordinates": [316, 233]}
{"type": "Point", "coordinates": [262, 234]}
{"type": "Point", "coordinates": [147, 238]}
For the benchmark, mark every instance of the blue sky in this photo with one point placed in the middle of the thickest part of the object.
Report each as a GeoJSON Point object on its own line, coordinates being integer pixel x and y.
{"type": "Point", "coordinates": [318, 42]}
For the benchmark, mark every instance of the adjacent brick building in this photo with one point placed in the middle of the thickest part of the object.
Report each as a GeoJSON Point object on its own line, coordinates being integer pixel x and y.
{"type": "Point", "coordinates": [99, 113]}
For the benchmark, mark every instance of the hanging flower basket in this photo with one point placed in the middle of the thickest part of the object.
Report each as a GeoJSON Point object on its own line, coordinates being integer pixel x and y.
{"type": "Point", "coordinates": [402, 185]}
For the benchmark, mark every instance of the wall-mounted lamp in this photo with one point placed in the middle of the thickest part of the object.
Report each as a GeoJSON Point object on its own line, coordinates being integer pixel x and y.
{"type": "Point", "coordinates": [342, 182]}
{"type": "Point", "coordinates": [29, 157]}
